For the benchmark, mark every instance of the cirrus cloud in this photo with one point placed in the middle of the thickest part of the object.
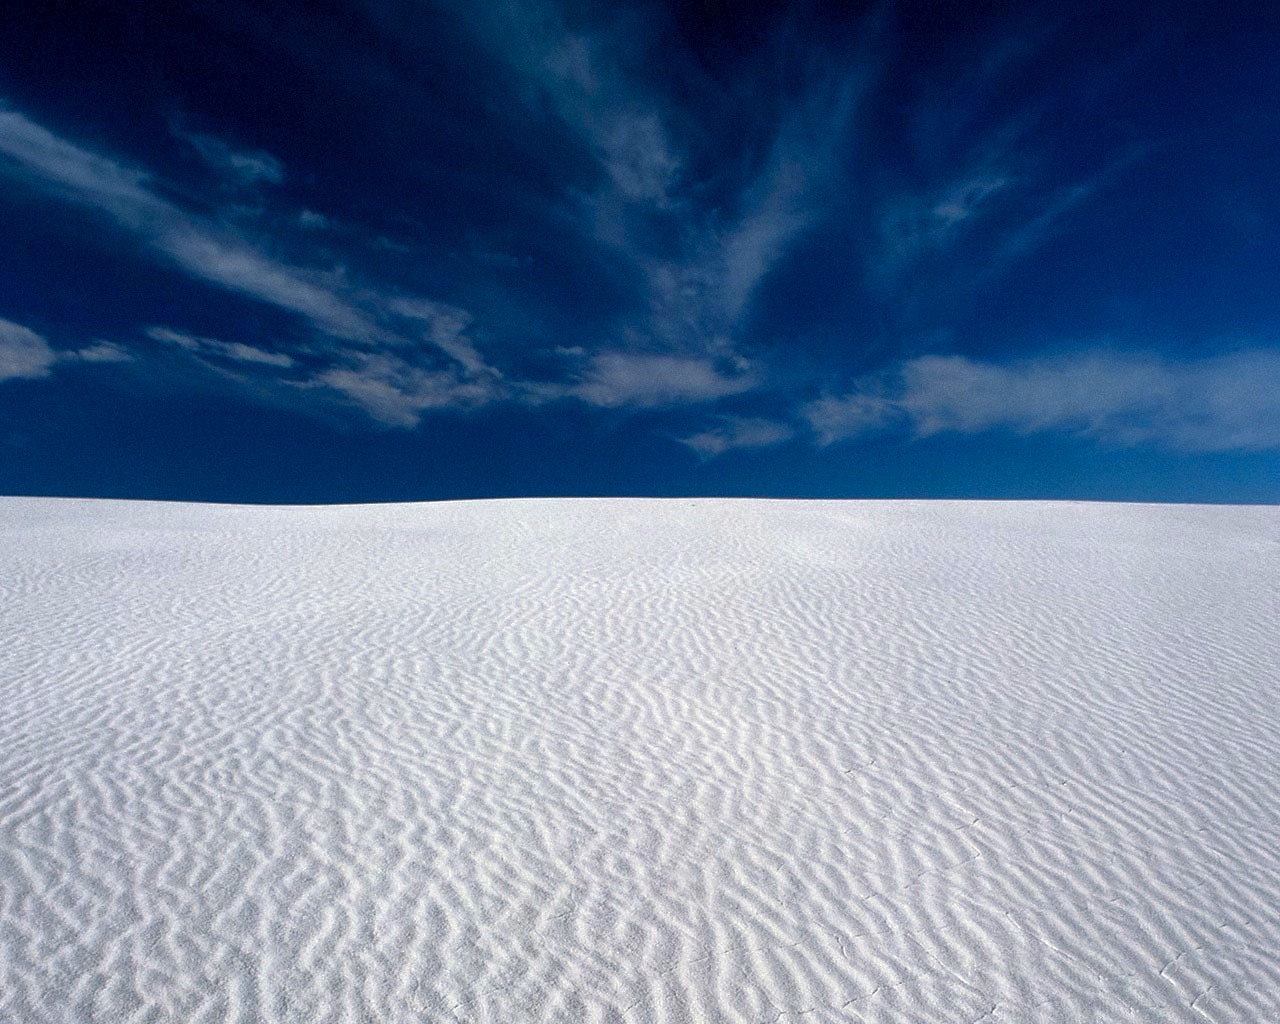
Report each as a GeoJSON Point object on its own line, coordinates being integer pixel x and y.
{"type": "Point", "coordinates": [1218, 403]}
{"type": "Point", "coordinates": [618, 378]}
{"type": "Point", "coordinates": [23, 353]}
{"type": "Point", "coordinates": [738, 432]}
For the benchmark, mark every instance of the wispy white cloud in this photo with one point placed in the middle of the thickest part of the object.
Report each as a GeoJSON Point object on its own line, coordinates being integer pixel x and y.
{"type": "Point", "coordinates": [705, 294]}
{"type": "Point", "coordinates": [240, 166]}
{"type": "Point", "coordinates": [313, 221]}
{"type": "Point", "coordinates": [446, 327]}
{"type": "Point", "coordinates": [493, 254]}
{"type": "Point", "coordinates": [1218, 403]}
{"type": "Point", "coordinates": [24, 354]}
{"type": "Point", "coordinates": [206, 251]}
{"type": "Point", "coordinates": [700, 266]}
{"type": "Point", "coordinates": [617, 378]}
{"type": "Point", "coordinates": [581, 76]}
{"type": "Point", "coordinates": [778, 211]}
{"type": "Point", "coordinates": [77, 173]}
{"type": "Point", "coordinates": [913, 226]}
{"type": "Point", "coordinates": [738, 432]}
{"type": "Point", "coordinates": [397, 393]}
{"type": "Point", "coordinates": [103, 352]}
{"type": "Point", "coordinates": [835, 418]}
{"type": "Point", "coordinates": [231, 262]}
{"type": "Point", "coordinates": [233, 350]}
{"type": "Point", "coordinates": [1030, 233]}
{"type": "Point", "coordinates": [640, 160]}
{"type": "Point", "coordinates": [1000, 211]}
{"type": "Point", "coordinates": [982, 190]}
{"type": "Point", "coordinates": [393, 388]}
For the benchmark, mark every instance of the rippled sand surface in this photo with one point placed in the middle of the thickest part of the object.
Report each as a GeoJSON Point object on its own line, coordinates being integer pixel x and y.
{"type": "Point", "coordinates": [631, 761]}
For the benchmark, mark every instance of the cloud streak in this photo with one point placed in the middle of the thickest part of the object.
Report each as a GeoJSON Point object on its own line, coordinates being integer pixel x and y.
{"type": "Point", "coordinates": [240, 166]}
{"type": "Point", "coordinates": [397, 393]}
{"type": "Point", "coordinates": [385, 370]}
{"type": "Point", "coordinates": [614, 379]}
{"type": "Point", "coordinates": [738, 432]}
{"type": "Point", "coordinates": [23, 353]}
{"type": "Point", "coordinates": [26, 355]}
{"type": "Point", "coordinates": [215, 255]}
{"type": "Point", "coordinates": [394, 385]}
{"type": "Point", "coordinates": [579, 74]}
{"type": "Point", "coordinates": [705, 295]}
{"type": "Point", "coordinates": [698, 266]}
{"type": "Point", "coordinates": [232, 350]}
{"type": "Point", "coordinates": [1221, 403]}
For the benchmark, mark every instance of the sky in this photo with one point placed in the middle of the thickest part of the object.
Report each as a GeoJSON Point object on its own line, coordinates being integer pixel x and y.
{"type": "Point", "coordinates": [376, 250]}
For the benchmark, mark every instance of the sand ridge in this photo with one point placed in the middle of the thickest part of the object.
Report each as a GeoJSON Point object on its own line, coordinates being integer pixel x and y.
{"type": "Point", "coordinates": [639, 760]}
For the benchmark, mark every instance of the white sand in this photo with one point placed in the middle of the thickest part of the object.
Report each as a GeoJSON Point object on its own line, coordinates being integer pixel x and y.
{"type": "Point", "coordinates": [639, 761]}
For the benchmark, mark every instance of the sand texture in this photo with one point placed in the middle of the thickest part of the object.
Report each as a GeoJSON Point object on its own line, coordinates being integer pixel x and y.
{"type": "Point", "coordinates": [635, 760]}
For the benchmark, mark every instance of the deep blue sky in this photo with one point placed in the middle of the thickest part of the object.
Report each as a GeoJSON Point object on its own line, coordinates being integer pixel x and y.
{"type": "Point", "coordinates": [402, 249]}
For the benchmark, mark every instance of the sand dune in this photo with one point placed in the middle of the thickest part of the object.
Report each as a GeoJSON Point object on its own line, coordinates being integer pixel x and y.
{"type": "Point", "coordinates": [639, 761]}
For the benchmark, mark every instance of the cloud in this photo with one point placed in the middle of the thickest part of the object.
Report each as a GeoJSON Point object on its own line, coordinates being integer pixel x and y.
{"type": "Point", "coordinates": [698, 263]}
{"type": "Point", "coordinates": [581, 75]}
{"type": "Point", "coordinates": [703, 297]}
{"type": "Point", "coordinates": [638, 156]}
{"type": "Point", "coordinates": [206, 251]}
{"type": "Point", "coordinates": [234, 350]}
{"type": "Point", "coordinates": [1001, 214]}
{"type": "Point", "coordinates": [234, 265]}
{"type": "Point", "coordinates": [77, 173]}
{"type": "Point", "coordinates": [775, 216]}
{"type": "Point", "coordinates": [386, 386]}
{"type": "Point", "coordinates": [986, 180]}
{"type": "Point", "coordinates": [860, 412]}
{"type": "Point", "coordinates": [23, 353]}
{"type": "Point", "coordinates": [446, 328]}
{"type": "Point", "coordinates": [697, 268]}
{"type": "Point", "coordinates": [102, 352]}
{"type": "Point", "coordinates": [581, 79]}
{"type": "Point", "coordinates": [738, 432]}
{"type": "Point", "coordinates": [705, 293]}
{"type": "Point", "coordinates": [964, 199]}
{"type": "Point", "coordinates": [1219, 403]}
{"type": "Point", "coordinates": [391, 389]}
{"type": "Point", "coordinates": [26, 355]}
{"type": "Point", "coordinates": [241, 166]}
{"type": "Point", "coordinates": [488, 255]}
{"type": "Point", "coordinates": [912, 226]}
{"type": "Point", "coordinates": [616, 378]}
{"type": "Point", "coordinates": [397, 393]}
